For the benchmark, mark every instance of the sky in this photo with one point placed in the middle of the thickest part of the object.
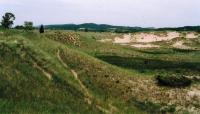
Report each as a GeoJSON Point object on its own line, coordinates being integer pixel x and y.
{"type": "Point", "coordinates": [143, 13]}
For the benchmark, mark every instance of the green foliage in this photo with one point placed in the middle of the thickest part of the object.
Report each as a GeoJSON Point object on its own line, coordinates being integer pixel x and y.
{"type": "Point", "coordinates": [28, 25]}
{"type": "Point", "coordinates": [8, 20]}
{"type": "Point", "coordinates": [112, 74]}
{"type": "Point", "coordinates": [26, 89]}
{"type": "Point", "coordinates": [154, 108]}
{"type": "Point", "coordinates": [19, 27]}
{"type": "Point", "coordinates": [173, 81]}
{"type": "Point", "coordinates": [92, 27]}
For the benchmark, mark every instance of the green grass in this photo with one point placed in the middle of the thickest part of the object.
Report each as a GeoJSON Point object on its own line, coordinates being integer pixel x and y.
{"type": "Point", "coordinates": [114, 75]}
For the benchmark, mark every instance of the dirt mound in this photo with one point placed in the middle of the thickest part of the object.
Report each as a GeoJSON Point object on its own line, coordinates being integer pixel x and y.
{"type": "Point", "coordinates": [67, 38]}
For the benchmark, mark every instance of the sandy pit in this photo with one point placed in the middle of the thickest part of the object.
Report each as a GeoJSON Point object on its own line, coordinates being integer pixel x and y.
{"type": "Point", "coordinates": [145, 46]}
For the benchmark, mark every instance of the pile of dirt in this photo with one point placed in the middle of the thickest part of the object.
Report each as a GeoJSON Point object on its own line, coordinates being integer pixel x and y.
{"type": "Point", "coordinates": [67, 38]}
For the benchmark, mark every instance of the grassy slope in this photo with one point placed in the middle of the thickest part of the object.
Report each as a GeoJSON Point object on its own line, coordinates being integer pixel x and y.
{"type": "Point", "coordinates": [26, 89]}
{"type": "Point", "coordinates": [25, 86]}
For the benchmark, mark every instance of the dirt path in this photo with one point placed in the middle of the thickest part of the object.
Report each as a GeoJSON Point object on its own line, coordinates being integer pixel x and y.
{"type": "Point", "coordinates": [48, 75]}
{"type": "Point", "coordinates": [89, 98]}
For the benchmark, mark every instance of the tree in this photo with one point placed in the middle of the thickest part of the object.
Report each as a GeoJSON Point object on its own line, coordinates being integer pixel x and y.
{"type": "Point", "coordinates": [28, 25]}
{"type": "Point", "coordinates": [8, 20]}
{"type": "Point", "coordinates": [19, 27]}
{"type": "Point", "coordinates": [41, 29]}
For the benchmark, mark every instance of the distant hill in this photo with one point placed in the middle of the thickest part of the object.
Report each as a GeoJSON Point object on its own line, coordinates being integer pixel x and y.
{"type": "Point", "coordinates": [185, 28]}
{"type": "Point", "coordinates": [113, 28]}
{"type": "Point", "coordinates": [95, 27]}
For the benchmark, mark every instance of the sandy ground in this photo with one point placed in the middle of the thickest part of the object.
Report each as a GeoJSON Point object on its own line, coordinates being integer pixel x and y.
{"type": "Point", "coordinates": [145, 37]}
{"type": "Point", "coordinates": [145, 46]}
{"type": "Point", "coordinates": [150, 37]}
{"type": "Point", "coordinates": [105, 40]}
{"type": "Point", "coordinates": [48, 75]}
{"type": "Point", "coordinates": [179, 44]}
{"type": "Point", "coordinates": [126, 39]}
{"type": "Point", "coordinates": [191, 36]}
{"type": "Point", "coordinates": [193, 94]}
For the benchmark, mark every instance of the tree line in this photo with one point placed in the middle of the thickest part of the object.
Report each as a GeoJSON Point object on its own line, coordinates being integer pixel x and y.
{"type": "Point", "coordinates": [8, 21]}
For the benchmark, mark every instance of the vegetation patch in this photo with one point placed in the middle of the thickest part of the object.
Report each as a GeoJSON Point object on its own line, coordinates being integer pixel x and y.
{"type": "Point", "coordinates": [154, 108]}
{"type": "Point", "coordinates": [66, 38]}
{"type": "Point", "coordinates": [173, 81]}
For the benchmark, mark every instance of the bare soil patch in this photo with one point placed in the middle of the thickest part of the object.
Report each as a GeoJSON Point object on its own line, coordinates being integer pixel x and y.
{"type": "Point", "coordinates": [145, 46]}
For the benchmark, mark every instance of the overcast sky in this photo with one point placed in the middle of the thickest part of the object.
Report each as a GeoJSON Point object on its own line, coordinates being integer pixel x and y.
{"type": "Point", "coordinates": [144, 13]}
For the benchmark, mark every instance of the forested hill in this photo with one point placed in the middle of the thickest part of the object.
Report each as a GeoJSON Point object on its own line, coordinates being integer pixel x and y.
{"type": "Point", "coordinates": [94, 27]}
{"type": "Point", "coordinates": [112, 28]}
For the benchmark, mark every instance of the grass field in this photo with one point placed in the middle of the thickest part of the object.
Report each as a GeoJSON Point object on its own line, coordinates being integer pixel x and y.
{"type": "Point", "coordinates": [72, 72]}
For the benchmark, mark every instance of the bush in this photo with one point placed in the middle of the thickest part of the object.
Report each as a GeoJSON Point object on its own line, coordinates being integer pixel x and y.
{"type": "Point", "coordinates": [66, 38]}
{"type": "Point", "coordinates": [173, 81]}
{"type": "Point", "coordinates": [28, 25]}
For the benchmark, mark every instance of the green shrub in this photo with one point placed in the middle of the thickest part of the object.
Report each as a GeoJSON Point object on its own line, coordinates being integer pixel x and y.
{"type": "Point", "coordinates": [173, 81]}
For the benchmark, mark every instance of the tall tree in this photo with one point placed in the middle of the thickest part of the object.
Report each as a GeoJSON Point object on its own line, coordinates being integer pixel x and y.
{"type": "Point", "coordinates": [41, 29]}
{"type": "Point", "coordinates": [8, 20]}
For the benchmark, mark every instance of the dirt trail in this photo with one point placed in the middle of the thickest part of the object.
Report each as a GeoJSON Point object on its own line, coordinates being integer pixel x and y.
{"type": "Point", "coordinates": [89, 98]}
{"type": "Point", "coordinates": [145, 46]}
{"type": "Point", "coordinates": [48, 75]}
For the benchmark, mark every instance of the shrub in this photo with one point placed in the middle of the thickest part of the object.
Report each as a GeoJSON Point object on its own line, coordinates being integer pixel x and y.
{"type": "Point", "coordinates": [173, 81]}
{"type": "Point", "coordinates": [41, 30]}
{"type": "Point", "coordinates": [66, 38]}
{"type": "Point", "coordinates": [28, 25]}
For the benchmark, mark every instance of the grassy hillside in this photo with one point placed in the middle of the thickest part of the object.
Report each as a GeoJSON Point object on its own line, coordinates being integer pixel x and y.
{"type": "Point", "coordinates": [72, 72]}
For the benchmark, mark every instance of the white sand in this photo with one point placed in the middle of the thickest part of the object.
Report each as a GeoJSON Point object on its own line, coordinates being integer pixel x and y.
{"type": "Point", "coordinates": [150, 37]}
{"type": "Point", "coordinates": [191, 36]}
{"type": "Point", "coordinates": [180, 45]}
{"type": "Point", "coordinates": [194, 93]}
{"type": "Point", "coordinates": [105, 40]}
{"type": "Point", "coordinates": [126, 39]}
{"type": "Point", "coordinates": [145, 46]}
{"type": "Point", "coordinates": [146, 37]}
